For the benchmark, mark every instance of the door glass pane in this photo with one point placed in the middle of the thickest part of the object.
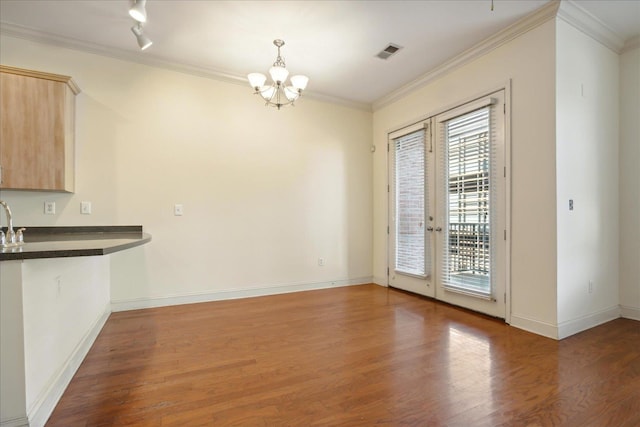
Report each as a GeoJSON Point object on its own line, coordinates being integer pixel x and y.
{"type": "Point", "coordinates": [410, 204]}
{"type": "Point", "coordinates": [468, 237]}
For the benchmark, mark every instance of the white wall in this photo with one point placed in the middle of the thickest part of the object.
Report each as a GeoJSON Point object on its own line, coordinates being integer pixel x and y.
{"type": "Point", "coordinates": [587, 172]}
{"type": "Point", "coordinates": [12, 385]}
{"type": "Point", "coordinates": [52, 311]}
{"type": "Point", "coordinates": [265, 192]}
{"type": "Point", "coordinates": [630, 183]}
{"type": "Point", "coordinates": [529, 61]}
{"type": "Point", "coordinates": [65, 300]}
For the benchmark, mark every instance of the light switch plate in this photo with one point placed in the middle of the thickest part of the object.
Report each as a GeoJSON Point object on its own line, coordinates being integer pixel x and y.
{"type": "Point", "coordinates": [178, 210]}
{"type": "Point", "coordinates": [50, 208]}
{"type": "Point", "coordinates": [85, 208]}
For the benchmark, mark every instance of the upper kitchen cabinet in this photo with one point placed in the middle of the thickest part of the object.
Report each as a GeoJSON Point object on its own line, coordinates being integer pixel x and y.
{"type": "Point", "coordinates": [37, 118]}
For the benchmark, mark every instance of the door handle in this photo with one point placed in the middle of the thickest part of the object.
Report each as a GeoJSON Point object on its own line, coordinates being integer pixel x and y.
{"type": "Point", "coordinates": [438, 228]}
{"type": "Point", "coordinates": [429, 228]}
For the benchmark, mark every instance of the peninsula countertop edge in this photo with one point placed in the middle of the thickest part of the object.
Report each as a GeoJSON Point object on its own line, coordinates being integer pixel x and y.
{"type": "Point", "coordinates": [75, 241]}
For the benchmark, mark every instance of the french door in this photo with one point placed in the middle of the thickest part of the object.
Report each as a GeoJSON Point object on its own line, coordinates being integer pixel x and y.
{"type": "Point", "coordinates": [447, 210]}
{"type": "Point", "coordinates": [411, 241]}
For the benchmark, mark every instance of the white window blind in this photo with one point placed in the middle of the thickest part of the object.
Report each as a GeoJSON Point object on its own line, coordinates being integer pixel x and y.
{"type": "Point", "coordinates": [467, 164]}
{"type": "Point", "coordinates": [412, 255]}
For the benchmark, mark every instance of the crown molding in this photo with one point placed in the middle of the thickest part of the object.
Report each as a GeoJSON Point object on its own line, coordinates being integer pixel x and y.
{"type": "Point", "coordinates": [27, 33]}
{"type": "Point", "coordinates": [573, 14]}
{"type": "Point", "coordinates": [335, 100]}
{"type": "Point", "coordinates": [516, 29]}
{"type": "Point", "coordinates": [40, 75]}
{"type": "Point", "coordinates": [632, 43]}
{"type": "Point", "coordinates": [567, 10]}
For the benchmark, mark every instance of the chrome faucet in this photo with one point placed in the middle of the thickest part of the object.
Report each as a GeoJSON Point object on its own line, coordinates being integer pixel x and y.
{"type": "Point", "coordinates": [11, 238]}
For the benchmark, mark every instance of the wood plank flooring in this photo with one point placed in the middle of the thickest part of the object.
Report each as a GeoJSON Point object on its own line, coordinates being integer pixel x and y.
{"type": "Point", "coordinates": [353, 356]}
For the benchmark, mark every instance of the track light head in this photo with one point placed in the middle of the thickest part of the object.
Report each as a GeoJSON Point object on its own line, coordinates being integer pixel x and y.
{"type": "Point", "coordinates": [138, 11]}
{"type": "Point", "coordinates": [143, 41]}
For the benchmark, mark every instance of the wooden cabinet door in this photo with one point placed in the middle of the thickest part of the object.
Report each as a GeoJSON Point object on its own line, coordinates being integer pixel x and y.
{"type": "Point", "coordinates": [36, 146]}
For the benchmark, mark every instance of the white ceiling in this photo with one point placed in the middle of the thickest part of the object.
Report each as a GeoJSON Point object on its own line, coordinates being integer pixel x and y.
{"type": "Point", "coordinates": [333, 42]}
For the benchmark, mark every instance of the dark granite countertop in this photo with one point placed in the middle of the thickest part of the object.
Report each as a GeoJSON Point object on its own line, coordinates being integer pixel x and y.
{"type": "Point", "coordinates": [61, 242]}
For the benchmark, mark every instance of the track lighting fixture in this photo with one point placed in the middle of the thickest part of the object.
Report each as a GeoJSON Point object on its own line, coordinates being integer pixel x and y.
{"type": "Point", "coordinates": [138, 11]}
{"type": "Point", "coordinates": [143, 41]}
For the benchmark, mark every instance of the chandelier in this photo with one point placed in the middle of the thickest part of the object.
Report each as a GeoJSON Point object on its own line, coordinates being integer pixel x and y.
{"type": "Point", "coordinates": [278, 93]}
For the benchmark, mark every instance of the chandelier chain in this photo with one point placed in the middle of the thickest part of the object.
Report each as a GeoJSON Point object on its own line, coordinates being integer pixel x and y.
{"type": "Point", "coordinates": [279, 59]}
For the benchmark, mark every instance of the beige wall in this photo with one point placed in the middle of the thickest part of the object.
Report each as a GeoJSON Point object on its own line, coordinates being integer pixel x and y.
{"type": "Point", "coordinates": [529, 61]}
{"type": "Point", "coordinates": [630, 183]}
{"type": "Point", "coordinates": [587, 172]}
{"type": "Point", "coordinates": [265, 192]}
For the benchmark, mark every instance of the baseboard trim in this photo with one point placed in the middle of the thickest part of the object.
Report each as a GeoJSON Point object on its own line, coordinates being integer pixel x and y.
{"type": "Point", "coordinates": [535, 326]}
{"type": "Point", "coordinates": [572, 327]}
{"type": "Point", "coordinates": [382, 281]}
{"type": "Point", "coordinates": [47, 401]}
{"type": "Point", "coordinates": [140, 303]}
{"type": "Point", "coordinates": [629, 312]}
{"type": "Point", "coordinates": [15, 422]}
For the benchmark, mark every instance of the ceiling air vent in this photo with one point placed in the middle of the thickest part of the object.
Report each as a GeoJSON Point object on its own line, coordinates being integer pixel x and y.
{"type": "Point", "coordinates": [388, 51]}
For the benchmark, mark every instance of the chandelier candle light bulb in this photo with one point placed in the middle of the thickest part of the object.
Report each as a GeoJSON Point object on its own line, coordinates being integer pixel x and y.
{"type": "Point", "coordinates": [278, 93]}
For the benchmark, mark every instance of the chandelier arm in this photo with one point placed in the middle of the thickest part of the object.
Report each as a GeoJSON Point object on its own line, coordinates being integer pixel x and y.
{"type": "Point", "coordinates": [277, 102]}
{"type": "Point", "coordinates": [272, 94]}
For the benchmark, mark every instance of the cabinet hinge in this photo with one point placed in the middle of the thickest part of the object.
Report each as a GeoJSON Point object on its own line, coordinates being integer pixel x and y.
{"type": "Point", "coordinates": [505, 171]}
{"type": "Point", "coordinates": [387, 147]}
{"type": "Point", "coordinates": [505, 296]}
{"type": "Point", "coordinates": [387, 229]}
{"type": "Point", "coordinates": [387, 271]}
{"type": "Point", "coordinates": [504, 108]}
{"type": "Point", "coordinates": [505, 234]}
{"type": "Point", "coordinates": [387, 188]}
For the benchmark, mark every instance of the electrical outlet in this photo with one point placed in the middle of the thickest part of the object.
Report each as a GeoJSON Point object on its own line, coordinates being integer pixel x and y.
{"type": "Point", "coordinates": [590, 286]}
{"type": "Point", "coordinates": [321, 262]}
{"type": "Point", "coordinates": [50, 208]}
{"type": "Point", "coordinates": [178, 210]}
{"type": "Point", "coordinates": [85, 208]}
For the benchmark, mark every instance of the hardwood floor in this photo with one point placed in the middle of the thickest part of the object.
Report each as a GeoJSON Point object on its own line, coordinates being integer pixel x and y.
{"type": "Point", "coordinates": [353, 356]}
